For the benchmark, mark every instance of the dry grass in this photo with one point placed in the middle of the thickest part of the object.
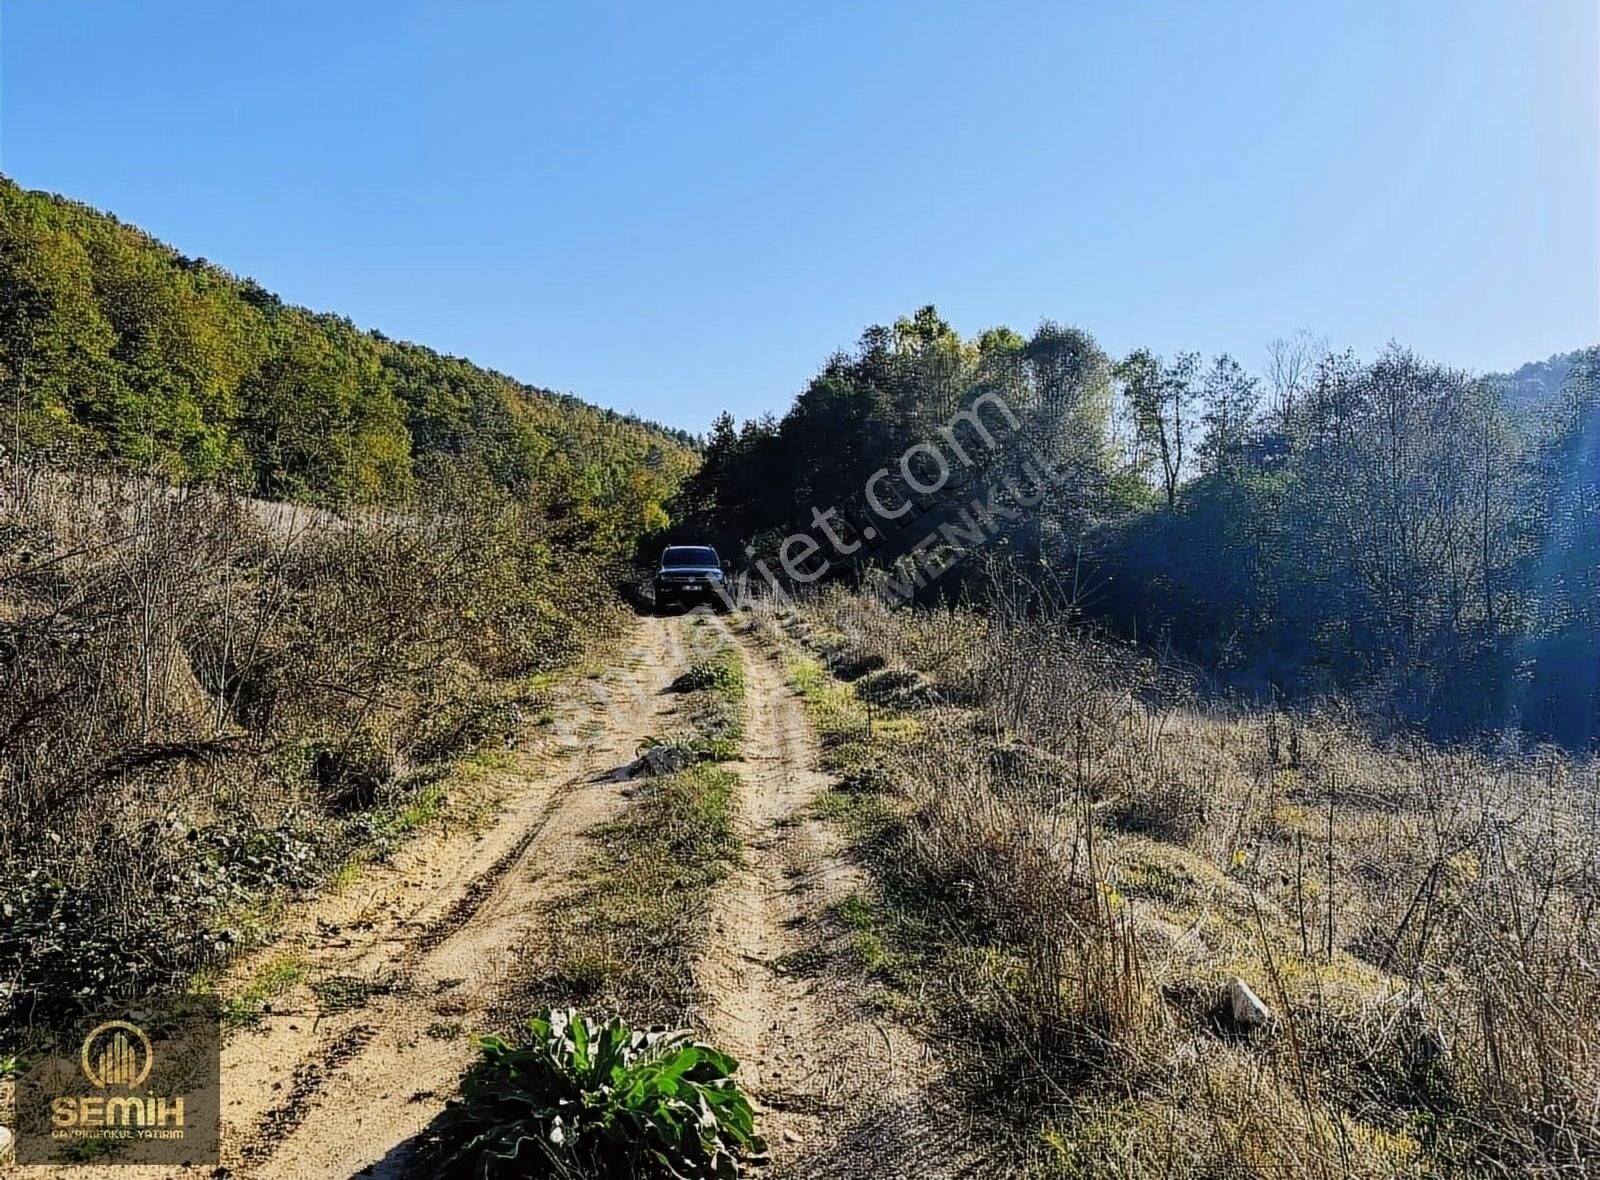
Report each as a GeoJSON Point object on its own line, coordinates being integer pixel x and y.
{"type": "Point", "coordinates": [625, 941]}
{"type": "Point", "coordinates": [1078, 853]}
{"type": "Point", "coordinates": [206, 702]}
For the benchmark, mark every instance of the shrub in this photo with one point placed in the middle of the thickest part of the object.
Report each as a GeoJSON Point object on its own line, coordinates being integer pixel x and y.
{"type": "Point", "coordinates": [601, 1102]}
{"type": "Point", "coordinates": [898, 688]}
{"type": "Point", "coordinates": [722, 672]}
{"type": "Point", "coordinates": [224, 699]}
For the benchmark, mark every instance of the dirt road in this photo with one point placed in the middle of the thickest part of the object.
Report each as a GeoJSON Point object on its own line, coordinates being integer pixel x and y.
{"type": "Point", "coordinates": [424, 948]}
{"type": "Point", "coordinates": [842, 1089]}
{"type": "Point", "coordinates": [355, 1056]}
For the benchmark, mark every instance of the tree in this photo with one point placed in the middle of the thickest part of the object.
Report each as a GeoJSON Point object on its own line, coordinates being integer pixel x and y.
{"type": "Point", "coordinates": [1559, 574]}
{"type": "Point", "coordinates": [1232, 398]}
{"type": "Point", "coordinates": [322, 421]}
{"type": "Point", "coordinates": [1162, 398]}
{"type": "Point", "coordinates": [56, 365]}
{"type": "Point", "coordinates": [1291, 363]}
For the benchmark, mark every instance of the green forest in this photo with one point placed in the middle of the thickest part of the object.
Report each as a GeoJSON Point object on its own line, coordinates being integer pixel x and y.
{"type": "Point", "coordinates": [1420, 540]}
{"type": "Point", "coordinates": [1417, 538]}
{"type": "Point", "coordinates": [116, 349]}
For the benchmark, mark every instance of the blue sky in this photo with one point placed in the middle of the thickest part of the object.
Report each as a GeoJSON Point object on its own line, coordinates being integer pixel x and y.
{"type": "Point", "coordinates": [679, 208]}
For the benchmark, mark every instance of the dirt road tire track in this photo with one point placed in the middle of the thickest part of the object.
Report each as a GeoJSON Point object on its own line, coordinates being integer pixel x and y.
{"type": "Point", "coordinates": [448, 928]}
{"type": "Point", "coordinates": [360, 1096]}
{"type": "Point", "coordinates": [782, 992]}
{"type": "Point", "coordinates": [440, 932]}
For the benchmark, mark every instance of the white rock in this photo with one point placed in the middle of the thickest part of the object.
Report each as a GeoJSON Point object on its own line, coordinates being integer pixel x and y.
{"type": "Point", "coordinates": [5, 1144]}
{"type": "Point", "coordinates": [1248, 1011]}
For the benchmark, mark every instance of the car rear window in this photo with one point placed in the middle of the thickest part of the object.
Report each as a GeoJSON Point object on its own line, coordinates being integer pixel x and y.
{"type": "Point", "coordinates": [688, 555]}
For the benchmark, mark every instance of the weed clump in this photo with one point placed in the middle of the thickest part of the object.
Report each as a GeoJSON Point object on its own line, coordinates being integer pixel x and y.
{"type": "Point", "coordinates": [574, 1097]}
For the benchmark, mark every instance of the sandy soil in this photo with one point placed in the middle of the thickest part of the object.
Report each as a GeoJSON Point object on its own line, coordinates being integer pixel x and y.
{"type": "Point", "coordinates": [842, 1088]}
{"type": "Point", "coordinates": [347, 1067]}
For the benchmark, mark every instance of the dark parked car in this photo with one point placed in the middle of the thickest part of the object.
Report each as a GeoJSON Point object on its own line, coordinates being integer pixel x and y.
{"type": "Point", "coordinates": [689, 573]}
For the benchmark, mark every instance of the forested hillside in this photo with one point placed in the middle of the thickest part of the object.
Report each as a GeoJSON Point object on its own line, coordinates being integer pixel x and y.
{"type": "Point", "coordinates": [114, 347]}
{"type": "Point", "coordinates": [235, 699]}
{"type": "Point", "coordinates": [1390, 530]}
{"type": "Point", "coordinates": [1535, 384]}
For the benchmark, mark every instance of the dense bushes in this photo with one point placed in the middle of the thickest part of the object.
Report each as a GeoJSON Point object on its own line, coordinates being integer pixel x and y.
{"type": "Point", "coordinates": [204, 700]}
{"type": "Point", "coordinates": [1395, 531]}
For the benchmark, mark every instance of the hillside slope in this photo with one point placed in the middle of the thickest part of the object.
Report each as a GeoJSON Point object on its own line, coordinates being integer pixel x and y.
{"type": "Point", "coordinates": [114, 346]}
{"type": "Point", "coordinates": [1537, 383]}
{"type": "Point", "coordinates": [212, 650]}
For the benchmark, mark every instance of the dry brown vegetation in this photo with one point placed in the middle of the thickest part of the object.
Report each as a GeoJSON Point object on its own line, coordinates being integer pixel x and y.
{"type": "Point", "coordinates": [1075, 854]}
{"type": "Point", "coordinates": [206, 702]}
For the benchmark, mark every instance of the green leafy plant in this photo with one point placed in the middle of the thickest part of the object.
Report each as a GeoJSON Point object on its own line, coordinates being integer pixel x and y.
{"type": "Point", "coordinates": [578, 1098]}
{"type": "Point", "coordinates": [667, 755]}
{"type": "Point", "coordinates": [723, 673]}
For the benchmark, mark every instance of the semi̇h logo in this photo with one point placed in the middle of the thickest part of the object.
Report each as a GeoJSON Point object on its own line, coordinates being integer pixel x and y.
{"type": "Point", "coordinates": [117, 1056]}
{"type": "Point", "coordinates": [117, 1053]}
{"type": "Point", "coordinates": [141, 1086]}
